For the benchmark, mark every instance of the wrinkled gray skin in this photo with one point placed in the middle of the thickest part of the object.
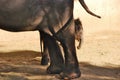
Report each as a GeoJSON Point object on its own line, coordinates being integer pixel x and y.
{"type": "Point", "coordinates": [41, 15]}
{"type": "Point", "coordinates": [78, 36]}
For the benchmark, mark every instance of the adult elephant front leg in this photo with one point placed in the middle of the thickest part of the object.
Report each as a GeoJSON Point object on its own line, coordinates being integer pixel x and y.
{"type": "Point", "coordinates": [67, 39]}
{"type": "Point", "coordinates": [56, 58]}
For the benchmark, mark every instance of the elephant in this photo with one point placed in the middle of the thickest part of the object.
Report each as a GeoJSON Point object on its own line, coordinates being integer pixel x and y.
{"type": "Point", "coordinates": [55, 21]}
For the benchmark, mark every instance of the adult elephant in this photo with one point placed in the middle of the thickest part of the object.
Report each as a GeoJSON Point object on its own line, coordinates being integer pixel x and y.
{"type": "Point", "coordinates": [54, 20]}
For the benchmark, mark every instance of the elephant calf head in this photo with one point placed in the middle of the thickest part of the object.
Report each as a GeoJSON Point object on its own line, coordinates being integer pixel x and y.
{"type": "Point", "coordinates": [78, 31]}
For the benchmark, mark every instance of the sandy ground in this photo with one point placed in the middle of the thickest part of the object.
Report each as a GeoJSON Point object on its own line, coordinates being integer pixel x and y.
{"type": "Point", "coordinates": [99, 56]}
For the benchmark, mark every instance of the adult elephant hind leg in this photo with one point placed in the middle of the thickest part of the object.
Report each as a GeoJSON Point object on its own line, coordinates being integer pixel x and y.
{"type": "Point", "coordinates": [44, 49]}
{"type": "Point", "coordinates": [67, 39]}
{"type": "Point", "coordinates": [56, 58]}
{"type": "Point", "coordinates": [45, 56]}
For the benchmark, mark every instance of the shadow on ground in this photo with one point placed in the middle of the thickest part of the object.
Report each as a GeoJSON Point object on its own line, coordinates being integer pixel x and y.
{"type": "Point", "coordinates": [92, 72]}
{"type": "Point", "coordinates": [23, 65]}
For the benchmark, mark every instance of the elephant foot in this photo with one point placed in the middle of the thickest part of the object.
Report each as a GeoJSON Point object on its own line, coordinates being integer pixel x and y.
{"type": "Point", "coordinates": [44, 61]}
{"type": "Point", "coordinates": [69, 75]}
{"type": "Point", "coordinates": [54, 69]}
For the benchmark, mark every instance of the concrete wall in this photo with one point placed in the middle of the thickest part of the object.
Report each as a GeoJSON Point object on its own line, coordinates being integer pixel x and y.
{"type": "Point", "coordinates": [109, 10]}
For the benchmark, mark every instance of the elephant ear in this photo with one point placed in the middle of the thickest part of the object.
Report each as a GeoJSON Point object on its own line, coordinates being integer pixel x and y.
{"type": "Point", "coordinates": [87, 9]}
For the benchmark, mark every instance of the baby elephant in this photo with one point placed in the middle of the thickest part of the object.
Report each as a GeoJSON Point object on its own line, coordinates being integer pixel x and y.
{"type": "Point", "coordinates": [78, 36]}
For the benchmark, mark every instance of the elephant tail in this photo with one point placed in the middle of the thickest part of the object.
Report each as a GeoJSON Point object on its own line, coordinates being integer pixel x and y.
{"type": "Point", "coordinates": [87, 9]}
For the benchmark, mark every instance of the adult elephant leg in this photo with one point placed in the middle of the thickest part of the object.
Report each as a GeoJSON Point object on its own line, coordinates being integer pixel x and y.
{"type": "Point", "coordinates": [56, 58]}
{"type": "Point", "coordinates": [78, 36]}
{"type": "Point", "coordinates": [67, 39]}
{"type": "Point", "coordinates": [45, 54]}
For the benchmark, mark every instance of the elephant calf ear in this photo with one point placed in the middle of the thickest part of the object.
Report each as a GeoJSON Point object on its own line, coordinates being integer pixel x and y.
{"type": "Point", "coordinates": [78, 24]}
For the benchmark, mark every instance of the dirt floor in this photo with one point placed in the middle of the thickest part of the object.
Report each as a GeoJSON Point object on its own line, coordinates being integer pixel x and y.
{"type": "Point", "coordinates": [99, 56]}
